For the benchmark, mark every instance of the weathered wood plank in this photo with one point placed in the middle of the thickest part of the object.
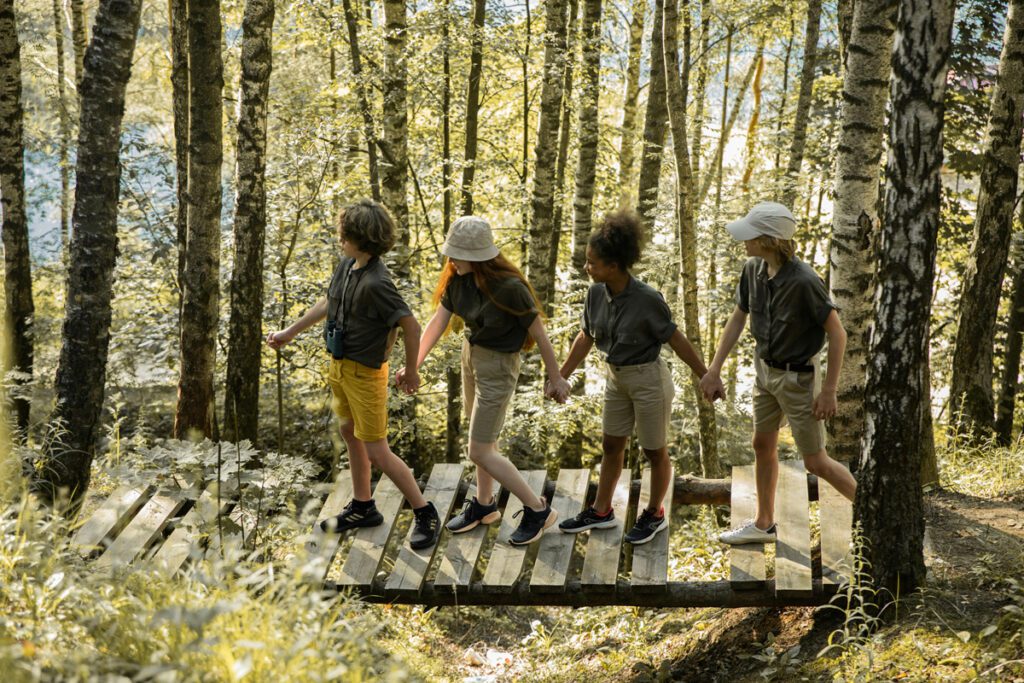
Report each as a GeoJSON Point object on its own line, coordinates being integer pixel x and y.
{"type": "Point", "coordinates": [184, 539]}
{"type": "Point", "coordinates": [367, 549]}
{"type": "Point", "coordinates": [550, 570]}
{"type": "Point", "coordinates": [462, 552]}
{"type": "Point", "coordinates": [746, 562]}
{"type": "Point", "coordinates": [506, 560]}
{"type": "Point", "coordinates": [793, 544]}
{"type": "Point", "coordinates": [836, 516]}
{"type": "Point", "coordinates": [650, 560]}
{"type": "Point", "coordinates": [411, 565]}
{"type": "Point", "coordinates": [601, 563]}
{"type": "Point", "coordinates": [110, 518]}
{"type": "Point", "coordinates": [321, 545]}
{"type": "Point", "coordinates": [147, 525]}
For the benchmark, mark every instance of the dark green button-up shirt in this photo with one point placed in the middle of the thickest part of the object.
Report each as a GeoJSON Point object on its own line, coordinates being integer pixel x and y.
{"type": "Point", "coordinates": [366, 305]}
{"type": "Point", "coordinates": [498, 324]}
{"type": "Point", "coordinates": [631, 326]}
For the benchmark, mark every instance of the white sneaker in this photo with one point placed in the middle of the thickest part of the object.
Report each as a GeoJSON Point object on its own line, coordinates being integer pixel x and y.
{"type": "Point", "coordinates": [748, 533]}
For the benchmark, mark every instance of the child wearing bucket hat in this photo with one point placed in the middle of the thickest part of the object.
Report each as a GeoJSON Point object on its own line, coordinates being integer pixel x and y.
{"type": "Point", "coordinates": [630, 322]}
{"type": "Point", "coordinates": [501, 313]}
{"type": "Point", "coordinates": [363, 308]}
{"type": "Point", "coordinates": [790, 315]}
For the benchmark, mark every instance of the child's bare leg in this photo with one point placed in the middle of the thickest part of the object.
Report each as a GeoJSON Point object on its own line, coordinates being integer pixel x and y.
{"type": "Point", "coordinates": [484, 487]}
{"type": "Point", "coordinates": [661, 476]}
{"type": "Point", "coordinates": [486, 457]}
{"type": "Point", "coordinates": [614, 448]}
{"type": "Point", "coordinates": [824, 467]}
{"type": "Point", "coordinates": [766, 461]}
{"type": "Point", "coordinates": [396, 470]}
{"type": "Point", "coordinates": [358, 462]}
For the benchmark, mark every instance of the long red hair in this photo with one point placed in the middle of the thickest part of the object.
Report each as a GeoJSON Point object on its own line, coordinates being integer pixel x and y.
{"type": "Point", "coordinates": [486, 274]}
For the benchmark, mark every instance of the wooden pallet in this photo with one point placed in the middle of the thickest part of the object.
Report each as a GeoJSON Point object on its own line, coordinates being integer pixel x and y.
{"type": "Point", "coordinates": [480, 567]}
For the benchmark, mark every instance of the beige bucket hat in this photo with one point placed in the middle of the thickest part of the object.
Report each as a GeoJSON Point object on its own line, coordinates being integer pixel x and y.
{"type": "Point", "coordinates": [470, 239]}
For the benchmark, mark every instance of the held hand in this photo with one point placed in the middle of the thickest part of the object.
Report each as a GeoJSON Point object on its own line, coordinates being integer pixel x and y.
{"type": "Point", "coordinates": [400, 377]}
{"type": "Point", "coordinates": [559, 390]}
{"type": "Point", "coordinates": [276, 340]}
{"type": "Point", "coordinates": [410, 381]}
{"type": "Point", "coordinates": [711, 386]}
{"type": "Point", "coordinates": [824, 405]}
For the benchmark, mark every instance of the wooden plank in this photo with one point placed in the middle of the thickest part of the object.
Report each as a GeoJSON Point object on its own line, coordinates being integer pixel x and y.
{"type": "Point", "coordinates": [507, 560]}
{"type": "Point", "coordinates": [746, 562]}
{"type": "Point", "coordinates": [110, 518]}
{"type": "Point", "coordinates": [601, 563]}
{"type": "Point", "coordinates": [141, 531]}
{"type": "Point", "coordinates": [836, 513]}
{"type": "Point", "coordinates": [187, 537]}
{"type": "Point", "coordinates": [793, 544]}
{"type": "Point", "coordinates": [650, 560]}
{"type": "Point", "coordinates": [367, 549]}
{"type": "Point", "coordinates": [462, 552]}
{"type": "Point", "coordinates": [550, 571]}
{"type": "Point", "coordinates": [321, 545]}
{"type": "Point", "coordinates": [411, 565]}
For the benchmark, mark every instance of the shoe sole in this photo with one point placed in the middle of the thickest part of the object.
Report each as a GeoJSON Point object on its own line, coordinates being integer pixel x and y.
{"type": "Point", "coordinates": [750, 542]}
{"type": "Point", "coordinates": [552, 518]}
{"type": "Point", "coordinates": [596, 525]}
{"type": "Point", "coordinates": [664, 525]}
{"type": "Point", "coordinates": [489, 518]}
{"type": "Point", "coordinates": [424, 546]}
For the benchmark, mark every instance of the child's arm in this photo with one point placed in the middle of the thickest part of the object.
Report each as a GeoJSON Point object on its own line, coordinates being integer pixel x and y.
{"type": "Point", "coordinates": [557, 384]}
{"type": "Point", "coordinates": [581, 346]}
{"type": "Point", "coordinates": [436, 326]}
{"type": "Point", "coordinates": [825, 403]}
{"type": "Point", "coordinates": [711, 382]}
{"type": "Point", "coordinates": [318, 312]}
{"type": "Point", "coordinates": [411, 336]}
{"type": "Point", "coordinates": [684, 349]}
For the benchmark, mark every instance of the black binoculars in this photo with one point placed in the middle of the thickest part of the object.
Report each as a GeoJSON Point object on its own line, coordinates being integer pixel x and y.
{"type": "Point", "coordinates": [333, 338]}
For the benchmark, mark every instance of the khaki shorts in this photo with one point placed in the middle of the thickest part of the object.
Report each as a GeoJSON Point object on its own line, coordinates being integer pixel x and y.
{"type": "Point", "coordinates": [780, 395]}
{"type": "Point", "coordinates": [640, 395]}
{"type": "Point", "coordinates": [360, 394]}
{"type": "Point", "coordinates": [488, 382]}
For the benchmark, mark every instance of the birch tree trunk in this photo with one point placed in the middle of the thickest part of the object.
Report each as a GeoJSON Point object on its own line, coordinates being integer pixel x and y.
{"type": "Point", "coordinates": [82, 369]}
{"type": "Point", "coordinates": [363, 95]}
{"type": "Point", "coordinates": [476, 59]}
{"type": "Point", "coordinates": [194, 416]}
{"type": "Point", "coordinates": [64, 129]}
{"type": "Point", "coordinates": [627, 133]}
{"type": "Point", "coordinates": [1011, 360]}
{"type": "Point", "coordinates": [971, 403]}
{"type": "Point", "coordinates": [696, 148]}
{"type": "Point", "coordinates": [656, 116]}
{"type": "Point", "coordinates": [855, 214]}
{"type": "Point", "coordinates": [541, 225]}
{"type": "Point", "coordinates": [888, 503]}
{"type": "Point", "coordinates": [587, 138]}
{"type": "Point", "coordinates": [241, 401]}
{"type": "Point", "coordinates": [803, 104]}
{"type": "Point", "coordinates": [178, 26]}
{"type": "Point", "coordinates": [19, 307]}
{"type": "Point", "coordinates": [677, 86]}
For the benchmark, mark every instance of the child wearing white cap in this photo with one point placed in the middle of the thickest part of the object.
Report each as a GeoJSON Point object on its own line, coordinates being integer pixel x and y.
{"type": "Point", "coordinates": [790, 315]}
{"type": "Point", "coordinates": [502, 317]}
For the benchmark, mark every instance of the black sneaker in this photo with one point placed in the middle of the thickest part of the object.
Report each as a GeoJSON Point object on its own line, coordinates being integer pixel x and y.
{"type": "Point", "coordinates": [472, 515]}
{"type": "Point", "coordinates": [426, 527]}
{"type": "Point", "coordinates": [533, 524]}
{"type": "Point", "coordinates": [355, 514]}
{"type": "Point", "coordinates": [588, 519]}
{"type": "Point", "coordinates": [646, 527]}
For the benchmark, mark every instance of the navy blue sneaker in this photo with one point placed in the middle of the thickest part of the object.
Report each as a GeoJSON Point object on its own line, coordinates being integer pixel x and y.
{"type": "Point", "coordinates": [533, 524]}
{"type": "Point", "coordinates": [472, 515]}
{"type": "Point", "coordinates": [647, 527]}
{"type": "Point", "coordinates": [588, 519]}
{"type": "Point", "coordinates": [356, 514]}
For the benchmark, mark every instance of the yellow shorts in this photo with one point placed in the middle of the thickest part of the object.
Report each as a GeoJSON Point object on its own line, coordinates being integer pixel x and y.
{"type": "Point", "coordinates": [360, 394]}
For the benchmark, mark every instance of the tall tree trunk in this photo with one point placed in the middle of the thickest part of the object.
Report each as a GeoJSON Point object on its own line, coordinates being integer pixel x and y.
{"type": "Point", "coordinates": [545, 153]}
{"type": "Point", "coordinates": [476, 59]}
{"type": "Point", "coordinates": [751, 146]}
{"type": "Point", "coordinates": [856, 206]}
{"type": "Point", "coordinates": [889, 502]}
{"type": "Point", "coordinates": [696, 147]}
{"type": "Point", "coordinates": [242, 397]}
{"type": "Point", "coordinates": [803, 103]}
{"type": "Point", "coordinates": [79, 38]}
{"type": "Point", "coordinates": [929, 462]}
{"type": "Point", "coordinates": [363, 95]}
{"type": "Point", "coordinates": [178, 25]}
{"type": "Point", "coordinates": [564, 133]}
{"type": "Point", "coordinates": [629, 109]}
{"type": "Point", "coordinates": [780, 114]}
{"type": "Point", "coordinates": [200, 302]}
{"type": "Point", "coordinates": [655, 118]}
{"type": "Point", "coordinates": [1011, 360]}
{"type": "Point", "coordinates": [453, 374]}
{"type": "Point", "coordinates": [82, 369]}
{"type": "Point", "coordinates": [971, 385]}
{"type": "Point", "coordinates": [844, 10]}
{"type": "Point", "coordinates": [713, 261]}
{"type": "Point", "coordinates": [524, 204]}
{"type": "Point", "coordinates": [19, 307]}
{"type": "Point", "coordinates": [587, 138]}
{"type": "Point", "coordinates": [677, 86]}
{"type": "Point", "coordinates": [63, 132]}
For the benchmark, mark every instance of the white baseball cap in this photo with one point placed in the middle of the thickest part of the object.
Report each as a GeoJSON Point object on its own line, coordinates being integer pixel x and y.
{"type": "Point", "coordinates": [470, 239]}
{"type": "Point", "coordinates": [769, 219]}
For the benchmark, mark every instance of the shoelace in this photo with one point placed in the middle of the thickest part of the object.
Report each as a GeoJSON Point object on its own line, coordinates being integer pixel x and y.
{"type": "Point", "coordinates": [645, 517]}
{"type": "Point", "coordinates": [425, 519]}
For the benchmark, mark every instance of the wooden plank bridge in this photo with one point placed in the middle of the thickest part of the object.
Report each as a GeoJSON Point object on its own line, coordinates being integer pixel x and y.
{"type": "Point", "coordinates": [480, 567]}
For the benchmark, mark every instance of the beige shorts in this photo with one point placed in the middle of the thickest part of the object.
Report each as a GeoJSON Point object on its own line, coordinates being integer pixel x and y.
{"type": "Point", "coordinates": [488, 382]}
{"type": "Point", "coordinates": [781, 395]}
{"type": "Point", "coordinates": [640, 395]}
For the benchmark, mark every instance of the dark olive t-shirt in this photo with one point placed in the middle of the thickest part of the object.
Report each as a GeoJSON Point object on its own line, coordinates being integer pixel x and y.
{"type": "Point", "coordinates": [787, 312]}
{"type": "Point", "coordinates": [487, 324]}
{"type": "Point", "coordinates": [629, 327]}
{"type": "Point", "coordinates": [366, 305]}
